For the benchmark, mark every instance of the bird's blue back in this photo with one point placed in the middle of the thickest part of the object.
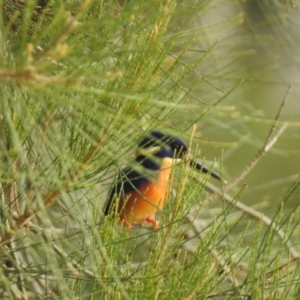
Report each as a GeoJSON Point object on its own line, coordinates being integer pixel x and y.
{"type": "Point", "coordinates": [128, 180]}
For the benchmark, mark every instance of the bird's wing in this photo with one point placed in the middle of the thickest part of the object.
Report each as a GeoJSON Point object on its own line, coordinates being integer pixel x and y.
{"type": "Point", "coordinates": [128, 180]}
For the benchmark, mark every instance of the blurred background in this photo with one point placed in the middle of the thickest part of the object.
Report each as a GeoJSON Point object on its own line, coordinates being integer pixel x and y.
{"type": "Point", "coordinates": [253, 44]}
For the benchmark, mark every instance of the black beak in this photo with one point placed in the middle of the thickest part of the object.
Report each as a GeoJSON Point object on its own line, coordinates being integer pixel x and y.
{"type": "Point", "coordinates": [195, 163]}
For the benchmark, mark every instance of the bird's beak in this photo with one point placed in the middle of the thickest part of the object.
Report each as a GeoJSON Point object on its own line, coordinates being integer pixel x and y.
{"type": "Point", "coordinates": [197, 164]}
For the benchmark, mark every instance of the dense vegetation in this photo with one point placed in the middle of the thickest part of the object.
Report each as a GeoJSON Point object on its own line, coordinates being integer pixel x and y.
{"type": "Point", "coordinates": [82, 81]}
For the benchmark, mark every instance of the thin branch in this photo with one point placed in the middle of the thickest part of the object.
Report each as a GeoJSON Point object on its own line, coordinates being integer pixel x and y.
{"type": "Point", "coordinates": [216, 193]}
{"type": "Point", "coordinates": [279, 113]}
{"type": "Point", "coordinates": [75, 267]}
{"type": "Point", "coordinates": [117, 280]}
{"type": "Point", "coordinates": [11, 247]}
{"type": "Point", "coordinates": [256, 215]}
{"type": "Point", "coordinates": [197, 226]}
{"type": "Point", "coordinates": [270, 141]}
{"type": "Point", "coordinates": [70, 262]}
{"type": "Point", "coordinates": [19, 269]}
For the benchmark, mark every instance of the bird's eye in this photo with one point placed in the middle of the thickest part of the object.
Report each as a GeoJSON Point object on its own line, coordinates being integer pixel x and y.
{"type": "Point", "coordinates": [179, 149]}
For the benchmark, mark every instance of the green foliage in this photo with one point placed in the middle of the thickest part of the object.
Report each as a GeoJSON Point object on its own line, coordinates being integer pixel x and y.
{"type": "Point", "coordinates": [80, 83]}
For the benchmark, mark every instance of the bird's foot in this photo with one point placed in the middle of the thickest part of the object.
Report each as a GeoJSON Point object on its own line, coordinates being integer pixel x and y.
{"type": "Point", "coordinates": [126, 223]}
{"type": "Point", "coordinates": [129, 227]}
{"type": "Point", "coordinates": [153, 221]}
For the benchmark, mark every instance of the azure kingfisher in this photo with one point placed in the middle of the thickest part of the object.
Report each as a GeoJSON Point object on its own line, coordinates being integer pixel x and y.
{"type": "Point", "coordinates": [139, 193]}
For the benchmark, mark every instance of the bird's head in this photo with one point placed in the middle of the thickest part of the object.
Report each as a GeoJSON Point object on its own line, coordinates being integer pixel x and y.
{"type": "Point", "coordinates": [158, 146]}
{"type": "Point", "coordinates": [157, 149]}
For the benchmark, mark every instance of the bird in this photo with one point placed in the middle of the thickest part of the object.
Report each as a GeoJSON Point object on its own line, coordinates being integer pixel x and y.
{"type": "Point", "coordinates": [140, 192]}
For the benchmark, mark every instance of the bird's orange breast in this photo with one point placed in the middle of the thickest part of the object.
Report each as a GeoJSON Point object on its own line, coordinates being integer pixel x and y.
{"type": "Point", "coordinates": [148, 199]}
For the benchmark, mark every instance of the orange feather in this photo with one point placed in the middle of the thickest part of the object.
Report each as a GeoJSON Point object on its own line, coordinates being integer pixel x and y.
{"type": "Point", "coordinates": [143, 204]}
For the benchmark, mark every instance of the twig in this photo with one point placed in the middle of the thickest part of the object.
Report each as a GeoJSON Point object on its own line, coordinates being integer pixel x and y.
{"type": "Point", "coordinates": [114, 274]}
{"type": "Point", "coordinates": [270, 141]}
{"type": "Point", "coordinates": [70, 262]}
{"type": "Point", "coordinates": [11, 194]}
{"type": "Point", "coordinates": [75, 267]}
{"type": "Point", "coordinates": [216, 193]}
{"type": "Point", "coordinates": [19, 269]}
{"type": "Point", "coordinates": [256, 215]}
{"type": "Point", "coordinates": [28, 214]}
{"type": "Point", "coordinates": [197, 226]}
